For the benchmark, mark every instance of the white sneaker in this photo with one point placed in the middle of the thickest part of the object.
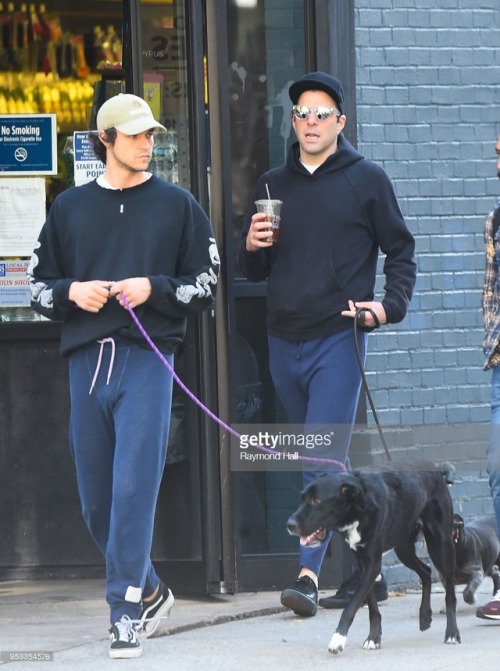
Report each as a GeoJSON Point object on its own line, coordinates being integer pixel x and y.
{"type": "Point", "coordinates": [124, 641]}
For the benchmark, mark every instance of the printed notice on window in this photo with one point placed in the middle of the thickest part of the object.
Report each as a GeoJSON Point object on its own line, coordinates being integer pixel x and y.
{"type": "Point", "coordinates": [22, 214]}
{"type": "Point", "coordinates": [87, 165]}
{"type": "Point", "coordinates": [14, 287]}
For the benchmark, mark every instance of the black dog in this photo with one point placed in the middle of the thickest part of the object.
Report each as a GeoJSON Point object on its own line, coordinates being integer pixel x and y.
{"type": "Point", "coordinates": [377, 512]}
{"type": "Point", "coordinates": [477, 552]}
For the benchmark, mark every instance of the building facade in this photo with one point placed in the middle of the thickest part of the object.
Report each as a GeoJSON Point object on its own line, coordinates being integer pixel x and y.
{"type": "Point", "coordinates": [421, 79]}
{"type": "Point", "coordinates": [428, 96]}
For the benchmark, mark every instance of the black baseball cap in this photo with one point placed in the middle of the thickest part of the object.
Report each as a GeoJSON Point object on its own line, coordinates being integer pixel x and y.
{"type": "Point", "coordinates": [318, 81]}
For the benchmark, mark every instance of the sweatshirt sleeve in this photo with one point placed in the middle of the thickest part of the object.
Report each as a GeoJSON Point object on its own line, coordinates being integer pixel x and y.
{"type": "Point", "coordinates": [397, 243]}
{"type": "Point", "coordinates": [47, 282]}
{"type": "Point", "coordinates": [193, 289]}
{"type": "Point", "coordinates": [491, 269]}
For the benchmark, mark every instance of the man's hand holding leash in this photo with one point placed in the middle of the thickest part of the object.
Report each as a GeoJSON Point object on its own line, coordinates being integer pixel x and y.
{"type": "Point", "coordinates": [136, 290]}
{"type": "Point", "coordinates": [91, 296]}
{"type": "Point", "coordinates": [369, 314]}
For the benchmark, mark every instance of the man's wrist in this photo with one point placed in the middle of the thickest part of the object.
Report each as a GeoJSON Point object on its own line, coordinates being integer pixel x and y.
{"type": "Point", "coordinates": [71, 291]}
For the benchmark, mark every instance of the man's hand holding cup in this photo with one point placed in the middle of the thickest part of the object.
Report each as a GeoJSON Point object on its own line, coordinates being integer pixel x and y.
{"type": "Point", "coordinates": [265, 226]}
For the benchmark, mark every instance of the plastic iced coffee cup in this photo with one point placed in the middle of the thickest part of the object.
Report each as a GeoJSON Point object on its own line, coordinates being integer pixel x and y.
{"type": "Point", "coordinates": [272, 209]}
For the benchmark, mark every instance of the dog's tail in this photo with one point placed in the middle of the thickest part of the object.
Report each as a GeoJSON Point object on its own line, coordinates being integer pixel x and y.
{"type": "Point", "coordinates": [448, 471]}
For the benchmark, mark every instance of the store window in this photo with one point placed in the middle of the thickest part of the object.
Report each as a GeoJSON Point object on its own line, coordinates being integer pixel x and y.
{"type": "Point", "coordinates": [165, 72]}
{"type": "Point", "coordinates": [64, 57]}
{"type": "Point", "coordinates": [266, 53]}
{"type": "Point", "coordinates": [52, 55]}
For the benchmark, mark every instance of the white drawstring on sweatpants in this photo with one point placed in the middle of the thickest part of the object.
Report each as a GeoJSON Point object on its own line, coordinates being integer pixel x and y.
{"type": "Point", "coordinates": [99, 360]}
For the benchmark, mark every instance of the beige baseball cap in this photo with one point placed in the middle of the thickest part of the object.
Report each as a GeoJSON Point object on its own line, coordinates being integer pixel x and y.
{"type": "Point", "coordinates": [127, 113]}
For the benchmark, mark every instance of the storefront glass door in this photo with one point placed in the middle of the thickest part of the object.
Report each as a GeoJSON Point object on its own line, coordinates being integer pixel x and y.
{"type": "Point", "coordinates": [165, 64]}
{"type": "Point", "coordinates": [266, 53]}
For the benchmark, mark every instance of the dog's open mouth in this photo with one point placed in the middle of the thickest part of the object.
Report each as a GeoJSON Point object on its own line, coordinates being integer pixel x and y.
{"type": "Point", "coordinates": [314, 539]}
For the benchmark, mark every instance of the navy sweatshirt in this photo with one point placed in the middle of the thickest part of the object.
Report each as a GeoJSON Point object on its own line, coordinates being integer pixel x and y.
{"type": "Point", "coordinates": [333, 224]}
{"type": "Point", "coordinates": [155, 230]}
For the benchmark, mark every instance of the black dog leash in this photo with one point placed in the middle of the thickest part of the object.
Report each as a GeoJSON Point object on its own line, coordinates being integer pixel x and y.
{"type": "Point", "coordinates": [359, 319]}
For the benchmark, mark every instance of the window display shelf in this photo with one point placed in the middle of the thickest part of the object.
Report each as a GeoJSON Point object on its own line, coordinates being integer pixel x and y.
{"type": "Point", "coordinates": [69, 99]}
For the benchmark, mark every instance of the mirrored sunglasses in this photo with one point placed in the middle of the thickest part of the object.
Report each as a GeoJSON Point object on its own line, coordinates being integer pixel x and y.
{"type": "Point", "coordinates": [302, 112]}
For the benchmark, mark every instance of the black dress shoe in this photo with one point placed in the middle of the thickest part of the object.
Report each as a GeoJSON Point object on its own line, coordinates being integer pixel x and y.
{"type": "Point", "coordinates": [302, 598]}
{"type": "Point", "coordinates": [346, 591]}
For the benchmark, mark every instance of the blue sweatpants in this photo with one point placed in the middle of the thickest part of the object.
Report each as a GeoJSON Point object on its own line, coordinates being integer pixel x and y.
{"type": "Point", "coordinates": [318, 382]}
{"type": "Point", "coordinates": [118, 438]}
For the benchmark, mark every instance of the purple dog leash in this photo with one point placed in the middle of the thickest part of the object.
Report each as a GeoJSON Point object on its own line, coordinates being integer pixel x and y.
{"type": "Point", "coordinates": [203, 407]}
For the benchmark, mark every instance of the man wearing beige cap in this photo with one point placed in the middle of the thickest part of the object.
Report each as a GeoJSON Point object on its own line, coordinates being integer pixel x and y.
{"type": "Point", "coordinates": [127, 239]}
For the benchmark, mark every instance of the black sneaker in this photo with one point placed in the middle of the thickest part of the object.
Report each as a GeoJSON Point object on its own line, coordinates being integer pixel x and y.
{"type": "Point", "coordinates": [152, 613]}
{"type": "Point", "coordinates": [346, 591]}
{"type": "Point", "coordinates": [302, 598]}
{"type": "Point", "coordinates": [124, 641]}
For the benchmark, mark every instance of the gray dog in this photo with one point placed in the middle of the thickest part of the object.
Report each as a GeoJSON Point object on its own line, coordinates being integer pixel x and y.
{"type": "Point", "coordinates": [477, 554]}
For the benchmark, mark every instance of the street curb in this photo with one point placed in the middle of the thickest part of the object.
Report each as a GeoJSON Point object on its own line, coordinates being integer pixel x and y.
{"type": "Point", "coordinates": [221, 619]}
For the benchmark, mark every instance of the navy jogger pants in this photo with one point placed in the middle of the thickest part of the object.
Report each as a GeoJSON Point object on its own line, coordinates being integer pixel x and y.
{"type": "Point", "coordinates": [318, 382]}
{"type": "Point", "coordinates": [118, 438]}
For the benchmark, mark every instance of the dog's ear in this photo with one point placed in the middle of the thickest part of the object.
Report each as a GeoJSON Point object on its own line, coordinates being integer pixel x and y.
{"type": "Point", "coordinates": [448, 471]}
{"type": "Point", "coordinates": [352, 495]}
{"type": "Point", "coordinates": [355, 495]}
{"type": "Point", "coordinates": [349, 491]}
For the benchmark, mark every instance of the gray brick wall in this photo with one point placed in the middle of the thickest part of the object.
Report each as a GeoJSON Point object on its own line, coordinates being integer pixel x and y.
{"type": "Point", "coordinates": [428, 95]}
{"type": "Point", "coordinates": [428, 106]}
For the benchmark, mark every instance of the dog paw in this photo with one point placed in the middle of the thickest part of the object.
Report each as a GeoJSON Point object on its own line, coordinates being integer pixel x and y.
{"type": "Point", "coordinates": [371, 645]}
{"type": "Point", "coordinates": [452, 639]}
{"type": "Point", "coordinates": [469, 597]}
{"type": "Point", "coordinates": [337, 644]}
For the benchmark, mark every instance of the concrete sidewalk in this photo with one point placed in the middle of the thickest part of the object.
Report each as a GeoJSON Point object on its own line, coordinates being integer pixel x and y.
{"type": "Point", "coordinates": [234, 633]}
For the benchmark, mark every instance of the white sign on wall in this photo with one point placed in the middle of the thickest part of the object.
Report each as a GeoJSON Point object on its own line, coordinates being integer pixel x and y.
{"type": "Point", "coordinates": [22, 213]}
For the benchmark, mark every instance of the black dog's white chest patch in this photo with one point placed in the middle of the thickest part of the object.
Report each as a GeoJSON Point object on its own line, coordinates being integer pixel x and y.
{"type": "Point", "coordinates": [352, 535]}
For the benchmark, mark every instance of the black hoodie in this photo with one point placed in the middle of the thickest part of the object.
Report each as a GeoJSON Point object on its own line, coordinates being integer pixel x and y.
{"type": "Point", "coordinates": [333, 224]}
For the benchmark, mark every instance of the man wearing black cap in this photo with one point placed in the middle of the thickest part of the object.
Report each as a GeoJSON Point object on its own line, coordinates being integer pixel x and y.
{"type": "Point", "coordinates": [339, 210]}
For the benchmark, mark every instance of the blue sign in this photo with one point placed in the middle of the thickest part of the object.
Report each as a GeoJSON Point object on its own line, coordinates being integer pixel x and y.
{"type": "Point", "coordinates": [28, 145]}
{"type": "Point", "coordinates": [87, 165]}
{"type": "Point", "coordinates": [83, 147]}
